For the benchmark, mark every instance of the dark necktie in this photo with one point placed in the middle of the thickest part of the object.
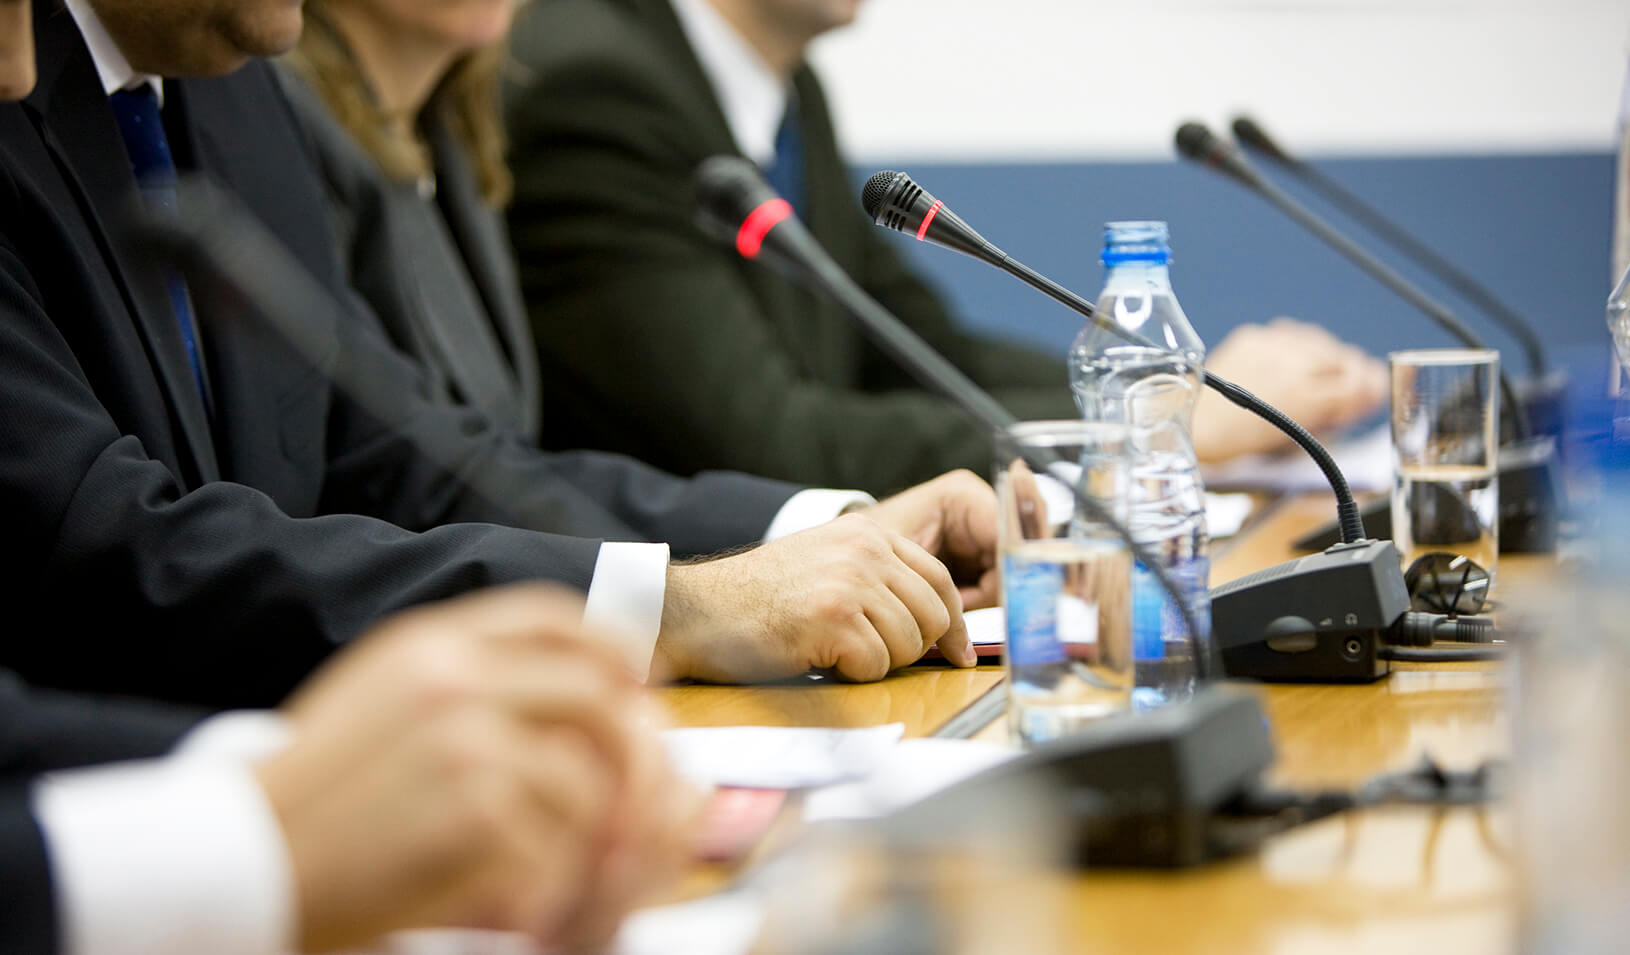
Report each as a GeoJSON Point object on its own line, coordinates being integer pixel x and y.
{"type": "Point", "coordinates": [143, 129]}
{"type": "Point", "coordinates": [786, 174]}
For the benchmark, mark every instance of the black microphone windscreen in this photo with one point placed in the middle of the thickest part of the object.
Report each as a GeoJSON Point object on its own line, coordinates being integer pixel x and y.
{"type": "Point", "coordinates": [1248, 132]}
{"type": "Point", "coordinates": [876, 190]}
{"type": "Point", "coordinates": [728, 189]}
{"type": "Point", "coordinates": [1195, 141]}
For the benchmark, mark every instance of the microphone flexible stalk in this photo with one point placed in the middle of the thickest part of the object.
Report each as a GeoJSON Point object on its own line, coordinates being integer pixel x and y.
{"type": "Point", "coordinates": [731, 201]}
{"type": "Point", "coordinates": [895, 202]}
{"type": "Point", "coordinates": [1252, 135]}
{"type": "Point", "coordinates": [1196, 142]}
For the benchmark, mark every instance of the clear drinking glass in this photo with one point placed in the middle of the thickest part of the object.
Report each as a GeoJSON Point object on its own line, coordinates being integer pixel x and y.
{"type": "Point", "coordinates": [1445, 443]}
{"type": "Point", "coordinates": [1066, 576]}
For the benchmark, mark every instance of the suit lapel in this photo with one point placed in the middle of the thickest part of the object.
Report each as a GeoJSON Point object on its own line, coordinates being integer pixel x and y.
{"type": "Point", "coordinates": [479, 235]}
{"type": "Point", "coordinates": [87, 146]}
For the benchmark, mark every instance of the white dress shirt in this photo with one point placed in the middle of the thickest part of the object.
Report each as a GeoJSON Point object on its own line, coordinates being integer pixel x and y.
{"type": "Point", "coordinates": [752, 96]}
{"type": "Point", "coordinates": [116, 72]}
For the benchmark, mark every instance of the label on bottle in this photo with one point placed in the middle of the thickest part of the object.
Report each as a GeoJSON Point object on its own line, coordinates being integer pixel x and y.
{"type": "Point", "coordinates": [1030, 595]}
{"type": "Point", "coordinates": [1156, 619]}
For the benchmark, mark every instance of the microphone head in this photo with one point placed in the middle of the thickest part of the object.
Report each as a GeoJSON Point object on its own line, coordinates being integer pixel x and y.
{"type": "Point", "coordinates": [728, 190]}
{"type": "Point", "coordinates": [1196, 142]}
{"type": "Point", "coordinates": [1248, 132]}
{"type": "Point", "coordinates": [895, 202]}
{"type": "Point", "coordinates": [877, 189]}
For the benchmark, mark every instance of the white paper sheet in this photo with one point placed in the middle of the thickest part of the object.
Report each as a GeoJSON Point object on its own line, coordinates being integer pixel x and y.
{"type": "Point", "coordinates": [1226, 514]}
{"type": "Point", "coordinates": [986, 625]}
{"type": "Point", "coordinates": [775, 757]}
{"type": "Point", "coordinates": [917, 768]}
{"type": "Point", "coordinates": [725, 924]}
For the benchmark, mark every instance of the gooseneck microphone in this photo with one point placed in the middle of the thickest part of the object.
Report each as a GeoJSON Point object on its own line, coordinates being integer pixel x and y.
{"type": "Point", "coordinates": [1253, 136]}
{"type": "Point", "coordinates": [895, 201]}
{"type": "Point", "coordinates": [736, 205]}
{"type": "Point", "coordinates": [1281, 623]}
{"type": "Point", "coordinates": [1196, 142]}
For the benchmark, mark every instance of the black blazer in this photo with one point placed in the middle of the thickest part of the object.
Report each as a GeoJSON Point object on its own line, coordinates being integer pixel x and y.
{"type": "Point", "coordinates": [220, 559]}
{"type": "Point", "coordinates": [636, 310]}
{"type": "Point", "coordinates": [42, 731]}
{"type": "Point", "coordinates": [436, 271]}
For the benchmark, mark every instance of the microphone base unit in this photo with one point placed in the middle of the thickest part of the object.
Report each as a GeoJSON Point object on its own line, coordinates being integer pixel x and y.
{"type": "Point", "coordinates": [1318, 619]}
{"type": "Point", "coordinates": [1530, 504]}
{"type": "Point", "coordinates": [1139, 790]}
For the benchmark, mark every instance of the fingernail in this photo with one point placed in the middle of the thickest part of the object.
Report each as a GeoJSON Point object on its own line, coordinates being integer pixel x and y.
{"type": "Point", "coordinates": [968, 653]}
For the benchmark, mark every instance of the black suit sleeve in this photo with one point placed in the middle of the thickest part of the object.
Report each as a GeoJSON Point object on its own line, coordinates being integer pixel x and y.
{"type": "Point", "coordinates": [119, 581]}
{"type": "Point", "coordinates": [42, 730]}
{"type": "Point", "coordinates": [28, 919]}
{"type": "Point", "coordinates": [123, 578]}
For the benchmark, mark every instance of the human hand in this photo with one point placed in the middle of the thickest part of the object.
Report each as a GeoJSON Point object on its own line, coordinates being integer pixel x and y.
{"type": "Point", "coordinates": [848, 596]}
{"type": "Point", "coordinates": [484, 762]}
{"type": "Point", "coordinates": [1322, 382]}
{"type": "Point", "coordinates": [952, 517]}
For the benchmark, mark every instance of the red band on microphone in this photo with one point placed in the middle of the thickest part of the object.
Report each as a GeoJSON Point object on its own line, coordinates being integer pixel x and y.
{"type": "Point", "coordinates": [750, 237]}
{"type": "Point", "coordinates": [933, 211]}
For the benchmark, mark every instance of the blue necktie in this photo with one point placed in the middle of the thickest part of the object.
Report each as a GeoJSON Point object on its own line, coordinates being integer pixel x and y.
{"type": "Point", "coordinates": [143, 130]}
{"type": "Point", "coordinates": [786, 174]}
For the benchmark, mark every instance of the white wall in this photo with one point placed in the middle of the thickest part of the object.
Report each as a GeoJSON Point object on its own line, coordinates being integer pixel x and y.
{"type": "Point", "coordinates": [1094, 79]}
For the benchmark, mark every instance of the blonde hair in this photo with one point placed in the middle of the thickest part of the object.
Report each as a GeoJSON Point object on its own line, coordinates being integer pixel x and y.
{"type": "Point", "coordinates": [466, 100]}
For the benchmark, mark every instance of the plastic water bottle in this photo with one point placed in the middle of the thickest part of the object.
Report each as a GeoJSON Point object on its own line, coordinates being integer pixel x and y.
{"type": "Point", "coordinates": [1618, 320]}
{"type": "Point", "coordinates": [1152, 391]}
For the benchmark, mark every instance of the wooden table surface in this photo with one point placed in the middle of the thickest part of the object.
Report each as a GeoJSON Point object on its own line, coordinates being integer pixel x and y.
{"type": "Point", "coordinates": [1387, 880]}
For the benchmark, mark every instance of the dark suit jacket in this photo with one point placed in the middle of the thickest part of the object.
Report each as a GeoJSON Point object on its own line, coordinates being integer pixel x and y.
{"type": "Point", "coordinates": [660, 342]}
{"type": "Point", "coordinates": [220, 559]}
{"type": "Point", "coordinates": [42, 731]}
{"type": "Point", "coordinates": [436, 272]}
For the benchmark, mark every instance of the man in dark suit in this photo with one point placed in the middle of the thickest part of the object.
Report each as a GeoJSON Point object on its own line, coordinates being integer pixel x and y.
{"type": "Point", "coordinates": [134, 827]}
{"type": "Point", "coordinates": [615, 104]}
{"type": "Point", "coordinates": [178, 469]}
{"type": "Point", "coordinates": [634, 308]}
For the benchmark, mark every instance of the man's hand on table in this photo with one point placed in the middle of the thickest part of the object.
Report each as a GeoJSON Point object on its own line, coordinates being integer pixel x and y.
{"type": "Point", "coordinates": [860, 596]}
{"type": "Point", "coordinates": [952, 517]}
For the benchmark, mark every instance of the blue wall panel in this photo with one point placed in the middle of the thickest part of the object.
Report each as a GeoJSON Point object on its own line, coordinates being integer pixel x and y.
{"type": "Point", "coordinates": [1535, 229]}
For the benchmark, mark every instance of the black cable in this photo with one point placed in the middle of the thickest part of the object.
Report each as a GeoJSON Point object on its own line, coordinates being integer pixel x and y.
{"type": "Point", "coordinates": [1254, 815]}
{"type": "Point", "coordinates": [1437, 654]}
{"type": "Point", "coordinates": [1347, 515]}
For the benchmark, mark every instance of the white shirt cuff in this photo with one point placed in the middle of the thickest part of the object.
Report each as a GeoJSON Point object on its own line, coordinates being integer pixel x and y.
{"type": "Point", "coordinates": [237, 736]}
{"type": "Point", "coordinates": [813, 507]}
{"type": "Point", "coordinates": [625, 597]}
{"type": "Point", "coordinates": [166, 855]}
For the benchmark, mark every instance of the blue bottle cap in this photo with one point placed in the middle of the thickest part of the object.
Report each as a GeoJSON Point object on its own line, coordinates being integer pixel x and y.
{"type": "Point", "coordinates": [1136, 242]}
